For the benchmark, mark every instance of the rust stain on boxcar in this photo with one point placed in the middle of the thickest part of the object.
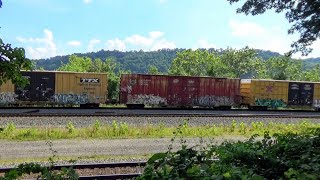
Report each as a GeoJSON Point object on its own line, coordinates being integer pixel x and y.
{"type": "Point", "coordinates": [166, 90]}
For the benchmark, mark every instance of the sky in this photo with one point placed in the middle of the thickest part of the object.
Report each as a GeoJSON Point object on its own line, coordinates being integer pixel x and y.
{"type": "Point", "coordinates": [47, 28]}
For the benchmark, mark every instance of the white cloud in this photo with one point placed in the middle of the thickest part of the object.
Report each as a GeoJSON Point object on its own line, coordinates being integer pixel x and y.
{"type": "Point", "coordinates": [163, 44]}
{"type": "Point", "coordinates": [92, 43]}
{"type": "Point", "coordinates": [38, 48]}
{"type": "Point", "coordinates": [155, 34]}
{"type": "Point", "coordinates": [116, 44]}
{"type": "Point", "coordinates": [153, 41]}
{"type": "Point", "coordinates": [203, 43]}
{"type": "Point", "coordinates": [274, 38]}
{"type": "Point", "coordinates": [87, 1]}
{"type": "Point", "coordinates": [139, 40]}
{"type": "Point", "coordinates": [245, 29]}
{"type": "Point", "coordinates": [74, 43]}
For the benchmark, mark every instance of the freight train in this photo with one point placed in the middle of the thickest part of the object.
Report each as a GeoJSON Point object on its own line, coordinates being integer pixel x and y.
{"type": "Point", "coordinates": [57, 88]}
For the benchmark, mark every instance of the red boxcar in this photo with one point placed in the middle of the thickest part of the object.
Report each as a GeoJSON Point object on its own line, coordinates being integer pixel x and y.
{"type": "Point", "coordinates": [178, 91]}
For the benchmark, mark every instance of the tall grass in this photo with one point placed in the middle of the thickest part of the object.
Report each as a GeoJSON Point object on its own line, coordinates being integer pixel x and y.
{"type": "Point", "coordinates": [123, 130]}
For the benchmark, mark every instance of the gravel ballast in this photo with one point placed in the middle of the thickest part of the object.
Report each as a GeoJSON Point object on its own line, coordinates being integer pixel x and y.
{"type": "Point", "coordinates": [22, 122]}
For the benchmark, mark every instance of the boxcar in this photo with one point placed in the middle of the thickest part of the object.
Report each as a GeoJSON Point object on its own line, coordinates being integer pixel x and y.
{"type": "Point", "coordinates": [57, 88]}
{"type": "Point", "coordinates": [138, 90]}
{"type": "Point", "coordinates": [263, 94]}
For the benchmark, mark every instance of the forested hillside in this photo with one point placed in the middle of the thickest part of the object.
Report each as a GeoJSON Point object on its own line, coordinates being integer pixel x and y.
{"type": "Point", "coordinates": [140, 61]}
{"type": "Point", "coordinates": [136, 61]}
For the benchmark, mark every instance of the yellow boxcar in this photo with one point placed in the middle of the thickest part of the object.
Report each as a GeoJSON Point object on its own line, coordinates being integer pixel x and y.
{"type": "Point", "coordinates": [257, 93]}
{"type": "Point", "coordinates": [264, 93]}
{"type": "Point", "coordinates": [80, 88]}
{"type": "Point", "coordinates": [57, 88]}
{"type": "Point", "coordinates": [316, 96]}
{"type": "Point", "coordinates": [7, 95]}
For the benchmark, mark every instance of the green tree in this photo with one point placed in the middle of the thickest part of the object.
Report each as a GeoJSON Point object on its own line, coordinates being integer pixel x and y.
{"type": "Point", "coordinates": [196, 63]}
{"type": "Point", "coordinates": [109, 67]}
{"type": "Point", "coordinates": [280, 68]}
{"type": "Point", "coordinates": [303, 14]}
{"type": "Point", "coordinates": [153, 70]}
{"type": "Point", "coordinates": [239, 62]}
{"type": "Point", "coordinates": [313, 74]}
{"type": "Point", "coordinates": [97, 66]}
{"type": "Point", "coordinates": [77, 64]}
{"type": "Point", "coordinates": [12, 60]}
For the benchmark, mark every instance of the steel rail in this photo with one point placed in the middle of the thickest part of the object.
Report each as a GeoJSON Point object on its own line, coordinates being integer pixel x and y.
{"type": "Point", "coordinates": [92, 166]}
{"type": "Point", "coordinates": [34, 114]}
{"type": "Point", "coordinates": [111, 176]}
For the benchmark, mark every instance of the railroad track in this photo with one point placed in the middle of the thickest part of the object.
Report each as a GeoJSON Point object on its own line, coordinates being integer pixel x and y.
{"type": "Point", "coordinates": [119, 170]}
{"type": "Point", "coordinates": [122, 112]}
{"type": "Point", "coordinates": [98, 114]}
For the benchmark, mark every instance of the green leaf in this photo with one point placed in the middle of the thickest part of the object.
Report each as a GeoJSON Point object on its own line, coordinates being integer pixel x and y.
{"type": "Point", "coordinates": [156, 157]}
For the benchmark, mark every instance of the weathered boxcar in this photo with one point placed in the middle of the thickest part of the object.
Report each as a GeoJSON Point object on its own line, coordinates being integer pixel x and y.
{"type": "Point", "coordinates": [138, 90]}
{"type": "Point", "coordinates": [263, 94]}
{"type": "Point", "coordinates": [57, 88]}
{"type": "Point", "coordinates": [7, 95]}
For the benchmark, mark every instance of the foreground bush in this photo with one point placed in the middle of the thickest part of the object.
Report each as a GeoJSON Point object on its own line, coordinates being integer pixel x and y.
{"type": "Point", "coordinates": [286, 156]}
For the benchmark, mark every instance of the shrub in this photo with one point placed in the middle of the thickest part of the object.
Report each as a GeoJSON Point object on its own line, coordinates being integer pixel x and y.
{"type": "Point", "coordinates": [283, 156]}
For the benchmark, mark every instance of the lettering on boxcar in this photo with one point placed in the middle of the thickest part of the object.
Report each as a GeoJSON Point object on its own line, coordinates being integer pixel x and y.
{"type": "Point", "coordinates": [89, 80]}
{"type": "Point", "coordinates": [132, 82]}
{"type": "Point", "coordinates": [144, 82]}
{"type": "Point", "coordinates": [271, 103]}
{"type": "Point", "coordinates": [71, 98]}
{"type": "Point", "coordinates": [7, 98]}
{"type": "Point", "coordinates": [214, 101]}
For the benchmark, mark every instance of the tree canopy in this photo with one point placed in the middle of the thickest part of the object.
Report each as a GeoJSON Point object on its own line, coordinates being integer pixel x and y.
{"type": "Point", "coordinates": [12, 60]}
{"type": "Point", "coordinates": [303, 14]}
{"type": "Point", "coordinates": [231, 63]}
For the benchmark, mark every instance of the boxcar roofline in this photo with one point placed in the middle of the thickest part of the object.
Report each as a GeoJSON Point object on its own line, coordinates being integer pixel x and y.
{"type": "Point", "coordinates": [248, 80]}
{"type": "Point", "coordinates": [71, 72]}
{"type": "Point", "coordinates": [140, 74]}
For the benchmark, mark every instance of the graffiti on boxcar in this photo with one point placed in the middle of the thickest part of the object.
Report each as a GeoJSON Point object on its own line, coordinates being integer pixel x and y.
{"type": "Point", "coordinates": [214, 101]}
{"type": "Point", "coordinates": [7, 98]}
{"type": "Point", "coordinates": [316, 103]}
{"type": "Point", "coordinates": [272, 103]}
{"type": "Point", "coordinates": [71, 98]}
{"type": "Point", "coordinates": [147, 100]}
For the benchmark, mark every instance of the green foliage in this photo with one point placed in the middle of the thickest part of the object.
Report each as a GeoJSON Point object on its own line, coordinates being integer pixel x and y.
{"type": "Point", "coordinates": [77, 64]}
{"type": "Point", "coordinates": [239, 62]}
{"type": "Point", "coordinates": [231, 63]}
{"type": "Point", "coordinates": [283, 156]}
{"type": "Point", "coordinates": [197, 63]}
{"type": "Point", "coordinates": [70, 127]}
{"type": "Point", "coordinates": [44, 172]}
{"type": "Point", "coordinates": [12, 60]}
{"type": "Point", "coordinates": [124, 130]}
{"type": "Point", "coordinates": [302, 14]}
{"type": "Point", "coordinates": [313, 74]}
{"type": "Point", "coordinates": [153, 70]}
{"type": "Point", "coordinates": [280, 68]}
